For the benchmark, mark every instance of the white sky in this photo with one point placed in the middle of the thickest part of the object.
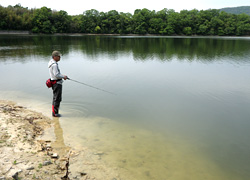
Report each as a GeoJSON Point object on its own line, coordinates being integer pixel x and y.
{"type": "Point", "coordinates": [75, 7]}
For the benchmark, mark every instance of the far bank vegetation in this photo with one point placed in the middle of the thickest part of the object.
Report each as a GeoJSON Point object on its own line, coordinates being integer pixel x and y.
{"type": "Point", "coordinates": [143, 21]}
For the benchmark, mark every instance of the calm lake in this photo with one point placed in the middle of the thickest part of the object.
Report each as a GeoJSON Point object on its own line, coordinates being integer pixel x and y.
{"type": "Point", "coordinates": [180, 108]}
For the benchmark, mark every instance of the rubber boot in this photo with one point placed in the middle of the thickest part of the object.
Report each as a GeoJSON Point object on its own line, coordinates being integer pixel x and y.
{"type": "Point", "coordinates": [55, 111]}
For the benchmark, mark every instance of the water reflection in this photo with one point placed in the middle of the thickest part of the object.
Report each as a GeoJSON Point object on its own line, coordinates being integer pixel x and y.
{"type": "Point", "coordinates": [142, 49]}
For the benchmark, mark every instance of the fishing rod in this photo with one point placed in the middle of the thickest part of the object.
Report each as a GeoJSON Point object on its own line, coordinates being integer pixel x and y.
{"type": "Point", "coordinates": [90, 86]}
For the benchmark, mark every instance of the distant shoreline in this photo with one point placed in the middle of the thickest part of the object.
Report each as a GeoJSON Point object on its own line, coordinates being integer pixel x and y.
{"type": "Point", "coordinates": [13, 32]}
{"type": "Point", "coordinates": [2, 32]}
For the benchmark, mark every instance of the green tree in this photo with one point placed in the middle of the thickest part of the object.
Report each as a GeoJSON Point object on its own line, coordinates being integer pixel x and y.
{"type": "Point", "coordinates": [173, 19]}
{"type": "Point", "coordinates": [97, 29]}
{"type": "Point", "coordinates": [125, 23]}
{"type": "Point", "coordinates": [215, 23]}
{"type": "Point", "coordinates": [155, 25]}
{"type": "Point", "coordinates": [203, 29]}
{"type": "Point", "coordinates": [42, 21]}
{"type": "Point", "coordinates": [230, 25]}
{"type": "Point", "coordinates": [61, 21]}
{"type": "Point", "coordinates": [221, 31]}
{"type": "Point", "coordinates": [90, 20]}
{"type": "Point", "coordinates": [14, 18]}
{"type": "Point", "coordinates": [243, 25]}
{"type": "Point", "coordinates": [187, 31]}
{"type": "Point", "coordinates": [113, 22]}
{"type": "Point", "coordinates": [185, 23]}
{"type": "Point", "coordinates": [141, 20]}
{"type": "Point", "coordinates": [4, 18]}
{"type": "Point", "coordinates": [75, 24]}
{"type": "Point", "coordinates": [204, 22]}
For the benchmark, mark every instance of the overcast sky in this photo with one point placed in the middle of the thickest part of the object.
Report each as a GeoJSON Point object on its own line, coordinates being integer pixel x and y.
{"type": "Point", "coordinates": [75, 7]}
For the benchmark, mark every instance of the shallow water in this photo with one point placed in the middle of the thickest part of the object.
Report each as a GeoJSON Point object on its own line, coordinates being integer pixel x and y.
{"type": "Point", "coordinates": [180, 109]}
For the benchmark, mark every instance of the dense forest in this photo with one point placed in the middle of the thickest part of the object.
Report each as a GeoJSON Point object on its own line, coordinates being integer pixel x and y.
{"type": "Point", "coordinates": [237, 10]}
{"type": "Point", "coordinates": [143, 21]}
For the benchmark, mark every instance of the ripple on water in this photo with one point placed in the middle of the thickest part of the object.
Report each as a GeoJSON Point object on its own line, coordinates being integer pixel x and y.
{"type": "Point", "coordinates": [75, 109]}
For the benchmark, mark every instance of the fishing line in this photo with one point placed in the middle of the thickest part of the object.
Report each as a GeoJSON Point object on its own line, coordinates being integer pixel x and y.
{"type": "Point", "coordinates": [91, 86]}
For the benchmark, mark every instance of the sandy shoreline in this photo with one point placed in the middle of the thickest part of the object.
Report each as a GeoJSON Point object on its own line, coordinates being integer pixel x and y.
{"type": "Point", "coordinates": [26, 152]}
{"type": "Point", "coordinates": [24, 155]}
{"type": "Point", "coordinates": [32, 147]}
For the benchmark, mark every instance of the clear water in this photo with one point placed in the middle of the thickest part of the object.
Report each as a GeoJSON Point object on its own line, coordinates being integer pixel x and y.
{"type": "Point", "coordinates": [180, 109]}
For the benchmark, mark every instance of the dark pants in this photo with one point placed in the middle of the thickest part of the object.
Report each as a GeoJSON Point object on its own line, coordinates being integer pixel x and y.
{"type": "Point", "coordinates": [57, 98]}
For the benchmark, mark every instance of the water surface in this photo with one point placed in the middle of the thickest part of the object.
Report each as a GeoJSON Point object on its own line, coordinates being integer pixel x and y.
{"type": "Point", "coordinates": [180, 109]}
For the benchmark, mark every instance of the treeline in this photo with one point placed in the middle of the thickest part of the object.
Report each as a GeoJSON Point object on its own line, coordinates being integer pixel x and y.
{"type": "Point", "coordinates": [143, 21]}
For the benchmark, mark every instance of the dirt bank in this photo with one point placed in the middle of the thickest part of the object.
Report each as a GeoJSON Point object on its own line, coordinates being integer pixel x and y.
{"type": "Point", "coordinates": [22, 154]}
